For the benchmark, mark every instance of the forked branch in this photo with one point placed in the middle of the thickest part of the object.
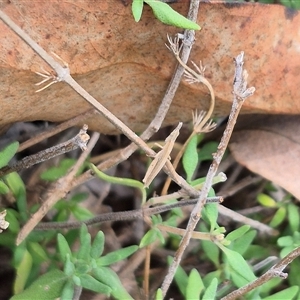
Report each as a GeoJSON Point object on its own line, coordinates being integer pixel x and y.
{"type": "Point", "coordinates": [240, 93]}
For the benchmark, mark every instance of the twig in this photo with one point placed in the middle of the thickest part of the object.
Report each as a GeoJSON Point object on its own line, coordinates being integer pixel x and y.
{"type": "Point", "coordinates": [79, 141]}
{"type": "Point", "coordinates": [59, 191]}
{"type": "Point", "coordinates": [240, 93]}
{"type": "Point", "coordinates": [189, 36]}
{"type": "Point", "coordinates": [63, 74]}
{"type": "Point", "coordinates": [199, 120]}
{"type": "Point", "coordinates": [59, 128]}
{"type": "Point", "coordinates": [275, 271]}
{"type": "Point", "coordinates": [235, 216]}
{"type": "Point", "coordinates": [122, 215]}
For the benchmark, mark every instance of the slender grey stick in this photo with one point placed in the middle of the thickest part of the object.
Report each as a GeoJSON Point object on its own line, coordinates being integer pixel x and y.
{"type": "Point", "coordinates": [188, 40]}
{"type": "Point", "coordinates": [123, 215]}
{"type": "Point", "coordinates": [275, 271]}
{"type": "Point", "coordinates": [79, 141]}
{"type": "Point", "coordinates": [240, 93]}
{"type": "Point", "coordinates": [59, 190]}
{"type": "Point", "coordinates": [63, 74]}
{"type": "Point", "coordinates": [59, 128]}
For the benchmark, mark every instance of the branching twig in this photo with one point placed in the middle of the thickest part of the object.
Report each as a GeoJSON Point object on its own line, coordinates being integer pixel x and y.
{"type": "Point", "coordinates": [61, 127]}
{"type": "Point", "coordinates": [79, 141]}
{"type": "Point", "coordinates": [240, 93]}
{"type": "Point", "coordinates": [63, 74]}
{"type": "Point", "coordinates": [60, 190]}
{"type": "Point", "coordinates": [200, 121]}
{"type": "Point", "coordinates": [275, 271]}
{"type": "Point", "coordinates": [188, 40]}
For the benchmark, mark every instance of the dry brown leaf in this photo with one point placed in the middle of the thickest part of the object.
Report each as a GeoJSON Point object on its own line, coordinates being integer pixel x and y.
{"type": "Point", "coordinates": [270, 147]}
{"type": "Point", "coordinates": [126, 66]}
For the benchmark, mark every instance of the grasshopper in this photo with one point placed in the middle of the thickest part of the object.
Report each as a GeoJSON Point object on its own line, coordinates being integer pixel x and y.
{"type": "Point", "coordinates": [161, 157]}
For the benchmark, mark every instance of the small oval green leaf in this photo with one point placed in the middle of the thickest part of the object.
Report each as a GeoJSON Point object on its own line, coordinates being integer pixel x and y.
{"type": "Point", "coordinates": [90, 283]}
{"type": "Point", "coordinates": [210, 292]}
{"type": "Point", "coordinates": [98, 245]}
{"type": "Point", "coordinates": [3, 188]}
{"type": "Point", "coordinates": [190, 158]}
{"type": "Point", "coordinates": [237, 233]}
{"type": "Point", "coordinates": [137, 9]}
{"type": "Point", "coordinates": [63, 247]}
{"type": "Point", "coordinates": [194, 286]}
{"type": "Point", "coordinates": [47, 287]}
{"type": "Point", "coordinates": [149, 238]}
{"type": "Point", "coordinates": [116, 256]}
{"type": "Point", "coordinates": [111, 279]}
{"type": "Point", "coordinates": [7, 153]}
{"type": "Point", "coordinates": [167, 15]}
{"type": "Point", "coordinates": [68, 291]}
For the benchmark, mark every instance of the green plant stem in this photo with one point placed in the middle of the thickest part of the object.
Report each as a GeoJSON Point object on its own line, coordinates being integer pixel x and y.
{"type": "Point", "coordinates": [122, 181]}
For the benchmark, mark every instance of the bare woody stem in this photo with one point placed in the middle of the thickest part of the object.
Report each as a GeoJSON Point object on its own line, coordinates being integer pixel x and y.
{"type": "Point", "coordinates": [79, 141]}
{"type": "Point", "coordinates": [123, 215]}
{"type": "Point", "coordinates": [188, 41]}
{"type": "Point", "coordinates": [63, 74]}
{"type": "Point", "coordinates": [275, 271]}
{"type": "Point", "coordinates": [240, 94]}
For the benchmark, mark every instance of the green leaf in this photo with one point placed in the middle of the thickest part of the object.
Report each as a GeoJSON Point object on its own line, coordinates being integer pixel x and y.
{"type": "Point", "coordinates": [79, 197]}
{"type": "Point", "coordinates": [85, 243]}
{"type": "Point", "coordinates": [81, 213]}
{"type": "Point", "coordinates": [285, 241]}
{"type": "Point", "coordinates": [278, 217]}
{"type": "Point", "coordinates": [212, 251]}
{"type": "Point", "coordinates": [16, 185]}
{"type": "Point", "coordinates": [288, 293]}
{"type": "Point", "coordinates": [116, 256]}
{"type": "Point", "coordinates": [210, 292]}
{"type": "Point", "coordinates": [137, 9]}
{"type": "Point", "coordinates": [210, 214]}
{"type": "Point", "coordinates": [293, 216]}
{"type": "Point", "coordinates": [242, 244]}
{"type": "Point", "coordinates": [194, 285]}
{"type": "Point", "coordinates": [68, 291]}
{"type": "Point", "coordinates": [97, 245]}
{"type": "Point", "coordinates": [23, 272]}
{"type": "Point", "coordinates": [266, 201]}
{"type": "Point", "coordinates": [90, 283]}
{"type": "Point", "coordinates": [111, 279]}
{"type": "Point", "coordinates": [76, 280]}
{"type": "Point", "coordinates": [190, 158]}
{"type": "Point", "coordinates": [3, 188]}
{"type": "Point", "coordinates": [47, 287]}
{"type": "Point", "coordinates": [37, 252]}
{"type": "Point", "coordinates": [69, 267]}
{"type": "Point", "coordinates": [237, 233]}
{"type": "Point", "coordinates": [206, 151]}
{"type": "Point", "coordinates": [295, 4]}
{"type": "Point", "coordinates": [180, 277]}
{"type": "Point", "coordinates": [54, 173]}
{"type": "Point", "coordinates": [12, 219]}
{"type": "Point", "coordinates": [167, 15]}
{"type": "Point", "coordinates": [150, 237]}
{"type": "Point", "coordinates": [63, 246]}
{"type": "Point", "coordinates": [159, 295]}
{"type": "Point", "coordinates": [238, 265]}
{"type": "Point", "coordinates": [219, 275]}
{"type": "Point", "coordinates": [8, 153]}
